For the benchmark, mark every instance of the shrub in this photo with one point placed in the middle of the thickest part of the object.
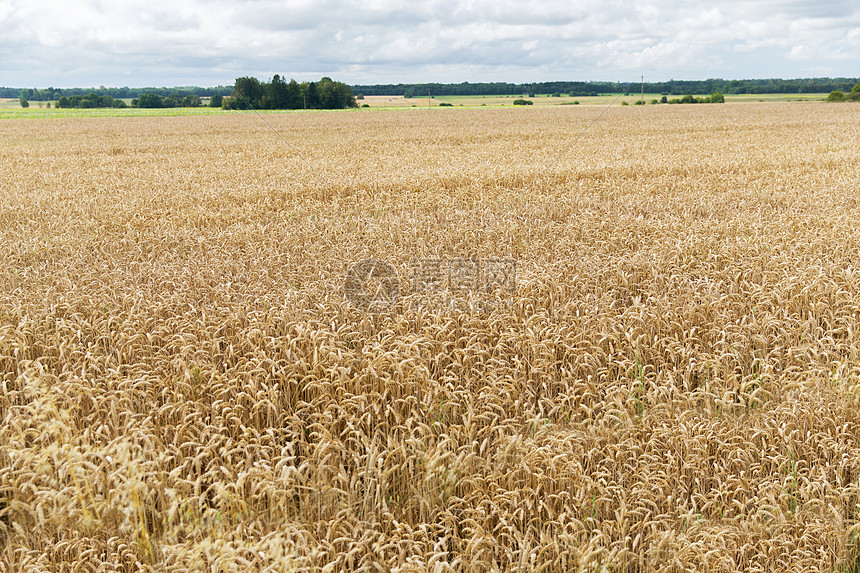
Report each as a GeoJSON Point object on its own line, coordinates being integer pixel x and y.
{"type": "Point", "coordinates": [522, 102]}
{"type": "Point", "coordinates": [836, 95]}
{"type": "Point", "coordinates": [151, 100]}
{"type": "Point", "coordinates": [191, 101]}
{"type": "Point", "coordinates": [446, 104]}
{"type": "Point", "coordinates": [718, 97]}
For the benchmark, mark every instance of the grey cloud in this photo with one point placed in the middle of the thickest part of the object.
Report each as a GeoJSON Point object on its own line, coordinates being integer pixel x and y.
{"type": "Point", "coordinates": [145, 42]}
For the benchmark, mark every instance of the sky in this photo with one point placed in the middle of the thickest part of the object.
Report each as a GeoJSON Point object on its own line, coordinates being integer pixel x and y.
{"type": "Point", "coordinates": [139, 43]}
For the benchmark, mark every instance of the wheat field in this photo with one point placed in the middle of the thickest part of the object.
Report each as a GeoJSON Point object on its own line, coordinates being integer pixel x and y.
{"type": "Point", "coordinates": [673, 384]}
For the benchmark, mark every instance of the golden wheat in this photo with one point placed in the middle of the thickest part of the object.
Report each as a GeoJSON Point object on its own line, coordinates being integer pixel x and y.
{"type": "Point", "coordinates": [673, 386]}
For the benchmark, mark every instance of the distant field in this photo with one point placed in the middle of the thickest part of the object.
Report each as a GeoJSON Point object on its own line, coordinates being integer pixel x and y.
{"type": "Point", "coordinates": [10, 108]}
{"type": "Point", "coordinates": [669, 381]}
{"type": "Point", "coordinates": [547, 100]}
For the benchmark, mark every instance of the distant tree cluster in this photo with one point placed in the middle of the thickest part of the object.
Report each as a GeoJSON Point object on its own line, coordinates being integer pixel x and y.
{"type": "Point", "coordinates": [250, 93]}
{"type": "Point", "coordinates": [716, 97]}
{"type": "Point", "coordinates": [90, 100]}
{"type": "Point", "coordinates": [51, 94]}
{"type": "Point", "coordinates": [48, 94]}
{"type": "Point", "coordinates": [152, 100]}
{"type": "Point", "coordinates": [837, 95]}
{"type": "Point", "coordinates": [146, 100]}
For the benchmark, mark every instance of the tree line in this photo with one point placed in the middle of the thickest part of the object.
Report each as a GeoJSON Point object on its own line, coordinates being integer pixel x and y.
{"type": "Point", "coordinates": [327, 94]}
{"type": "Point", "coordinates": [90, 100]}
{"type": "Point", "coordinates": [146, 100]}
{"type": "Point", "coordinates": [582, 89]}
{"type": "Point", "coordinates": [246, 93]}
{"type": "Point", "coordinates": [54, 94]}
{"type": "Point", "coordinates": [251, 93]}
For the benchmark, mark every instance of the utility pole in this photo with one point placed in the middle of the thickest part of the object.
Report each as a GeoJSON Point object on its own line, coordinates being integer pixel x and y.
{"type": "Point", "coordinates": [643, 89]}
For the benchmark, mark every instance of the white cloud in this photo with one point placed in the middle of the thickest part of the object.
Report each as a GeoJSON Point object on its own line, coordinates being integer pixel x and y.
{"type": "Point", "coordinates": [138, 42]}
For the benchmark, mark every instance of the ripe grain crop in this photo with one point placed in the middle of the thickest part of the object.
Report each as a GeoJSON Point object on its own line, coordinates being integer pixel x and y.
{"type": "Point", "coordinates": [673, 386]}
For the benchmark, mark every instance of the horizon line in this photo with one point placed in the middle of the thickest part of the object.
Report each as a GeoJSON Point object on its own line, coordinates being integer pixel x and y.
{"type": "Point", "coordinates": [397, 83]}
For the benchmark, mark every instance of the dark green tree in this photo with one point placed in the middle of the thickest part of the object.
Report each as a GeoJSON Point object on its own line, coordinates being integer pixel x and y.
{"type": "Point", "coordinates": [247, 93]}
{"type": "Point", "coordinates": [150, 100]}
{"type": "Point", "coordinates": [295, 97]}
{"type": "Point", "coordinates": [250, 93]}
{"type": "Point", "coordinates": [311, 96]}
{"type": "Point", "coordinates": [326, 94]}
{"type": "Point", "coordinates": [274, 94]}
{"type": "Point", "coordinates": [334, 95]}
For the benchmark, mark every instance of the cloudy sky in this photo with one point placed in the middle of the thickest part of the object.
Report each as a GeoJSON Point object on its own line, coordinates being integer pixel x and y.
{"type": "Point", "coordinates": [83, 43]}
